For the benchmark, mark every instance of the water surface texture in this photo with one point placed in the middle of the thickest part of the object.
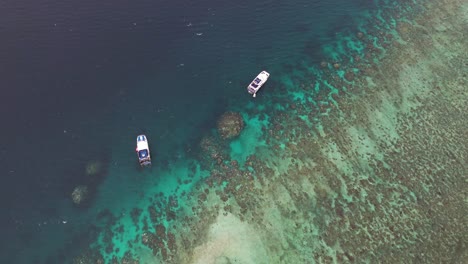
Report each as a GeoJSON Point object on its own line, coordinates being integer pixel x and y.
{"type": "Point", "coordinates": [354, 151]}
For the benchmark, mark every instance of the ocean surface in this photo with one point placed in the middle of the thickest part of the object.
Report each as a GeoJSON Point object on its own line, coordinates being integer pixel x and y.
{"type": "Point", "coordinates": [80, 80]}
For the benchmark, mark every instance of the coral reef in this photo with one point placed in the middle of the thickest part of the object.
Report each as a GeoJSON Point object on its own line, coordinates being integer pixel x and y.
{"type": "Point", "coordinates": [230, 125]}
{"type": "Point", "coordinates": [80, 194]}
{"type": "Point", "coordinates": [365, 168]}
{"type": "Point", "coordinates": [88, 257]}
{"type": "Point", "coordinates": [93, 168]}
{"type": "Point", "coordinates": [377, 178]}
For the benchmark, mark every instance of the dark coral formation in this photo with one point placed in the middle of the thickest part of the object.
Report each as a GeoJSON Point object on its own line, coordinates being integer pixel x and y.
{"type": "Point", "coordinates": [135, 214]}
{"type": "Point", "coordinates": [89, 256]}
{"type": "Point", "coordinates": [129, 259]}
{"type": "Point", "coordinates": [230, 125]}
{"type": "Point", "coordinates": [80, 194]}
{"type": "Point", "coordinates": [85, 182]}
{"type": "Point", "coordinates": [162, 241]}
{"type": "Point", "coordinates": [349, 76]}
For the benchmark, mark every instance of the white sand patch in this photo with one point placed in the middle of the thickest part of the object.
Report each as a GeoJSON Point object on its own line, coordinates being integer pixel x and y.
{"type": "Point", "coordinates": [230, 241]}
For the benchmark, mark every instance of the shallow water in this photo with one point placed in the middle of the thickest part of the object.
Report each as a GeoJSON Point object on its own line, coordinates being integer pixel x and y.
{"type": "Point", "coordinates": [331, 164]}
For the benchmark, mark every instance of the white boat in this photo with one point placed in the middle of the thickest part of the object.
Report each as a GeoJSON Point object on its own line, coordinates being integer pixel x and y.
{"type": "Point", "coordinates": [143, 151]}
{"type": "Point", "coordinates": [257, 83]}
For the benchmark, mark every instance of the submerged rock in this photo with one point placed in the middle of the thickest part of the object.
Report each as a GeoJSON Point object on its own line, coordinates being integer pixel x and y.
{"type": "Point", "coordinates": [79, 194]}
{"type": "Point", "coordinates": [360, 35]}
{"type": "Point", "coordinates": [230, 125]}
{"type": "Point", "coordinates": [93, 168]}
{"type": "Point", "coordinates": [349, 76]}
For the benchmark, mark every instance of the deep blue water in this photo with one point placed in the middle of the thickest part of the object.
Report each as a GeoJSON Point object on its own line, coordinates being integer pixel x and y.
{"type": "Point", "coordinates": [79, 79]}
